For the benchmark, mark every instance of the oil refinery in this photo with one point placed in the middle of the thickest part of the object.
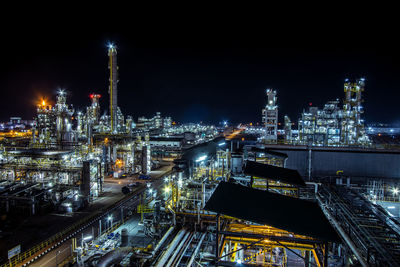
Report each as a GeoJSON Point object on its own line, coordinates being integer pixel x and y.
{"type": "Point", "coordinates": [99, 188]}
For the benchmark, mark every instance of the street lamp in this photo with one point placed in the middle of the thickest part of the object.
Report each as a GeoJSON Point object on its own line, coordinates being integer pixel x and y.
{"type": "Point", "coordinates": [395, 191]}
{"type": "Point", "coordinates": [110, 220]}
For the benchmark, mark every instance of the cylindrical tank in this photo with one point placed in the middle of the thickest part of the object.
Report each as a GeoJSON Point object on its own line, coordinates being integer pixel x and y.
{"type": "Point", "coordinates": [237, 162]}
{"type": "Point", "coordinates": [124, 237]}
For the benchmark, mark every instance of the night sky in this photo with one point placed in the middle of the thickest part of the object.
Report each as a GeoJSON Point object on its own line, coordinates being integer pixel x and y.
{"type": "Point", "coordinates": [192, 81]}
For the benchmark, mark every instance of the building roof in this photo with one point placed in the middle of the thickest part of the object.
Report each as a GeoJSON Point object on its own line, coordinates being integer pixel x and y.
{"type": "Point", "coordinates": [166, 139]}
{"type": "Point", "coordinates": [285, 175]}
{"type": "Point", "coordinates": [207, 148]}
{"type": "Point", "coordinates": [287, 213]}
{"type": "Point", "coordinates": [268, 151]}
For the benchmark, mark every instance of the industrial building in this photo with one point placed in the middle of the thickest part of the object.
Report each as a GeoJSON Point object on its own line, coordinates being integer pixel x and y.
{"type": "Point", "coordinates": [329, 126]}
{"type": "Point", "coordinates": [262, 195]}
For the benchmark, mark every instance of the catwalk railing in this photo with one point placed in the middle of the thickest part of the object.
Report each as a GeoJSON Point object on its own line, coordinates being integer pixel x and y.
{"type": "Point", "coordinates": [377, 242]}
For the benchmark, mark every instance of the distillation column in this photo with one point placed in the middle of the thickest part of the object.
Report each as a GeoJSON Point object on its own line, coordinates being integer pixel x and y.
{"type": "Point", "coordinates": [270, 117]}
{"type": "Point", "coordinates": [112, 54]}
{"type": "Point", "coordinates": [353, 131]}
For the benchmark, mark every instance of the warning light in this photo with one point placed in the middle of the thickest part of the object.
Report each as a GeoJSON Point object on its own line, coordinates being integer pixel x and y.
{"type": "Point", "coordinates": [310, 104]}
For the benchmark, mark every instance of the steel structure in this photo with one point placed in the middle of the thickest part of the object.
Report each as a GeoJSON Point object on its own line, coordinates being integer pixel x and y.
{"type": "Point", "coordinates": [367, 231]}
{"type": "Point", "coordinates": [113, 89]}
{"type": "Point", "coordinates": [270, 117]}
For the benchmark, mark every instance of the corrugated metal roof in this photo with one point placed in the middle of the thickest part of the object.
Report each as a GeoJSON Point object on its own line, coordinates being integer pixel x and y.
{"type": "Point", "coordinates": [268, 151]}
{"type": "Point", "coordinates": [285, 175]}
{"type": "Point", "coordinates": [287, 213]}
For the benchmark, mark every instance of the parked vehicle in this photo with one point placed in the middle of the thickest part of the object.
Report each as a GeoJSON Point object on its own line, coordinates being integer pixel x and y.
{"type": "Point", "coordinates": [144, 177]}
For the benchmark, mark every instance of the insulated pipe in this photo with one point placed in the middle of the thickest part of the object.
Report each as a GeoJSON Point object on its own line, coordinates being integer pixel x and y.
{"type": "Point", "coordinates": [174, 216]}
{"type": "Point", "coordinates": [196, 251]}
{"type": "Point", "coordinates": [188, 242]}
{"type": "Point", "coordinates": [161, 262]}
{"type": "Point", "coordinates": [315, 186]}
{"type": "Point", "coordinates": [344, 235]}
{"type": "Point", "coordinates": [113, 256]}
{"type": "Point", "coordinates": [166, 235]}
{"type": "Point", "coordinates": [178, 249]}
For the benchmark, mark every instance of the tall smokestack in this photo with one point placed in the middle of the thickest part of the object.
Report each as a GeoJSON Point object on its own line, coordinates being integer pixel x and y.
{"type": "Point", "coordinates": [112, 65]}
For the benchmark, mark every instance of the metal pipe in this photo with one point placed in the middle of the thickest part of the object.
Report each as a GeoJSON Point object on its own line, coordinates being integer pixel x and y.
{"type": "Point", "coordinates": [174, 216]}
{"type": "Point", "coordinates": [178, 249]}
{"type": "Point", "coordinates": [113, 256]}
{"type": "Point", "coordinates": [343, 234]}
{"type": "Point", "coordinates": [166, 235]}
{"type": "Point", "coordinates": [162, 261]}
{"type": "Point", "coordinates": [315, 186]}
{"type": "Point", "coordinates": [196, 251]}
{"type": "Point", "coordinates": [188, 242]}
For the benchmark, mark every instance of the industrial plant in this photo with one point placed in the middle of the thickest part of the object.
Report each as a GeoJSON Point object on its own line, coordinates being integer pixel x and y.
{"type": "Point", "coordinates": [99, 188]}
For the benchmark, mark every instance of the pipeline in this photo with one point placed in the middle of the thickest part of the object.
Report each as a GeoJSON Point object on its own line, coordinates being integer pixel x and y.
{"type": "Point", "coordinates": [315, 186]}
{"type": "Point", "coordinates": [343, 234]}
{"type": "Point", "coordinates": [173, 261]}
{"type": "Point", "coordinates": [196, 251]}
{"type": "Point", "coordinates": [166, 235]}
{"type": "Point", "coordinates": [149, 255]}
{"type": "Point", "coordinates": [113, 256]}
{"type": "Point", "coordinates": [161, 262]}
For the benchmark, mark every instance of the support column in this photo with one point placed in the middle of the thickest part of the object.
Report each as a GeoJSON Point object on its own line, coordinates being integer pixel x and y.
{"type": "Point", "coordinates": [307, 259]}
{"type": "Point", "coordinates": [217, 241]}
{"type": "Point", "coordinates": [326, 253]}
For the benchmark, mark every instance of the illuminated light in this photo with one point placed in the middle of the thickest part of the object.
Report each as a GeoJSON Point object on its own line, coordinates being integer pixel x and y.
{"type": "Point", "coordinates": [201, 158]}
{"type": "Point", "coordinates": [167, 189]}
{"type": "Point", "coordinates": [87, 237]}
{"type": "Point", "coordinates": [221, 144]}
{"type": "Point", "coordinates": [109, 218]}
{"type": "Point", "coordinates": [239, 261]}
{"type": "Point", "coordinates": [43, 103]}
{"type": "Point", "coordinates": [395, 191]}
{"type": "Point", "coordinates": [61, 92]}
{"type": "Point", "coordinates": [110, 46]}
{"type": "Point", "coordinates": [391, 207]}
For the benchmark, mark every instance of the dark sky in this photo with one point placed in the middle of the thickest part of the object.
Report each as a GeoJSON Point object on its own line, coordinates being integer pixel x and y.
{"type": "Point", "coordinates": [194, 80]}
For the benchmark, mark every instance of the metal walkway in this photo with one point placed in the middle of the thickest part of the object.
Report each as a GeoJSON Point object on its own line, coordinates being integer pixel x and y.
{"type": "Point", "coordinates": [372, 235]}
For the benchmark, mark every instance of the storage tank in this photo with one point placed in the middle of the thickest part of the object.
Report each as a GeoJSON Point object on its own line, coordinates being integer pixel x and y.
{"type": "Point", "coordinates": [124, 237]}
{"type": "Point", "coordinates": [237, 163]}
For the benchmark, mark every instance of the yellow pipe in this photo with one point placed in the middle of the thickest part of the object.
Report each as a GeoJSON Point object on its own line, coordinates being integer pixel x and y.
{"type": "Point", "coordinates": [316, 258]}
{"type": "Point", "coordinates": [233, 258]}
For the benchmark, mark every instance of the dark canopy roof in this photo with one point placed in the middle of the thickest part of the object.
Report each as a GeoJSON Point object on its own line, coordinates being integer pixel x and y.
{"type": "Point", "coordinates": [207, 148]}
{"type": "Point", "coordinates": [287, 213]}
{"type": "Point", "coordinates": [268, 151]}
{"type": "Point", "coordinates": [274, 173]}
